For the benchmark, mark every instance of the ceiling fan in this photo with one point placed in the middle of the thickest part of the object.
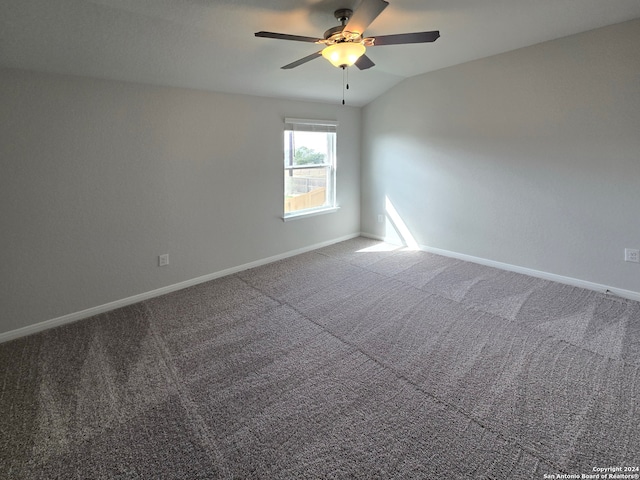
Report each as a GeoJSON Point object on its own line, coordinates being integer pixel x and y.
{"type": "Point", "coordinates": [346, 44]}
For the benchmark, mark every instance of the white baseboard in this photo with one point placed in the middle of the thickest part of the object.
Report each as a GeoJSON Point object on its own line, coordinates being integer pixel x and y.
{"type": "Point", "coordinates": [575, 282]}
{"type": "Point", "coordinates": [89, 312]}
{"type": "Point", "coordinates": [72, 317]}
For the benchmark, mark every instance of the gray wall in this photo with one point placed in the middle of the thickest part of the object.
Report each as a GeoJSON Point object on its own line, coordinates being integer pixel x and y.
{"type": "Point", "coordinates": [531, 157]}
{"type": "Point", "coordinates": [98, 178]}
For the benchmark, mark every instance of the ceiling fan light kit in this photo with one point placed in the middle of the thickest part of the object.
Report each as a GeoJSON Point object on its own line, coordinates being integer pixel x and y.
{"type": "Point", "coordinates": [343, 54]}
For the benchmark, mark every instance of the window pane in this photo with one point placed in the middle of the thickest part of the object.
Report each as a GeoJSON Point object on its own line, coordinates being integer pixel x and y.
{"type": "Point", "coordinates": [308, 148]}
{"type": "Point", "coordinates": [305, 188]}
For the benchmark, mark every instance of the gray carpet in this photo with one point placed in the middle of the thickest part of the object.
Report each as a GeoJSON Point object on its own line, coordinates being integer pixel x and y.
{"type": "Point", "coordinates": [345, 362]}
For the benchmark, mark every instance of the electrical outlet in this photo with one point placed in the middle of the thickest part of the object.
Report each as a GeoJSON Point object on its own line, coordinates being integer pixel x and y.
{"type": "Point", "coordinates": [380, 218]}
{"type": "Point", "coordinates": [632, 255]}
{"type": "Point", "coordinates": [163, 260]}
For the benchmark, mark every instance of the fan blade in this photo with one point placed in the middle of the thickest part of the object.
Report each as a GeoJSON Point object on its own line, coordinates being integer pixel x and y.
{"type": "Point", "coordinates": [284, 36]}
{"type": "Point", "coordinates": [364, 62]}
{"type": "Point", "coordinates": [419, 37]}
{"type": "Point", "coordinates": [364, 15]}
{"type": "Point", "coordinates": [306, 59]}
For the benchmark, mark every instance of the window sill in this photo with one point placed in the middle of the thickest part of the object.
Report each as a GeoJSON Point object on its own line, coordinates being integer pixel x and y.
{"type": "Point", "coordinates": [309, 213]}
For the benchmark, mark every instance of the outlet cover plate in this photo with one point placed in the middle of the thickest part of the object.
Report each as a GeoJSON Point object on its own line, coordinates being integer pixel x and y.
{"type": "Point", "coordinates": [632, 255]}
{"type": "Point", "coordinates": [163, 260]}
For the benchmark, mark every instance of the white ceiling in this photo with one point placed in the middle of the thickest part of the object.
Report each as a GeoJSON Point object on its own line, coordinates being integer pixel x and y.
{"type": "Point", "coordinates": [209, 44]}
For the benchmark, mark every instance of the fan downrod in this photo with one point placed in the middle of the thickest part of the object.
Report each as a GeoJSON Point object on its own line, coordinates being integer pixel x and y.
{"type": "Point", "coordinates": [342, 15]}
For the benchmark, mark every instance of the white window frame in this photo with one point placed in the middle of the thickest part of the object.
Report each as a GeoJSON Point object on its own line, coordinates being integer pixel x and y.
{"type": "Point", "coordinates": [307, 125]}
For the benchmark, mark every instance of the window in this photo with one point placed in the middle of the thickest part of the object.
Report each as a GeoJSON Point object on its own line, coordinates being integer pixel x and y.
{"type": "Point", "coordinates": [309, 167]}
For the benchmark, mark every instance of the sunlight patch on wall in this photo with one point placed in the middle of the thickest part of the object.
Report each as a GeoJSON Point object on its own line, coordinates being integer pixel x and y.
{"type": "Point", "coordinates": [399, 228]}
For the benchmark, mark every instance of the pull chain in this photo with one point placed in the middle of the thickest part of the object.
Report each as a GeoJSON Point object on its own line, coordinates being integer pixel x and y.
{"type": "Point", "coordinates": [345, 81]}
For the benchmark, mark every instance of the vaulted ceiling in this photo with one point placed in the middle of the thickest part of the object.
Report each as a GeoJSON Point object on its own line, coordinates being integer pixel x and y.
{"type": "Point", "coordinates": [210, 44]}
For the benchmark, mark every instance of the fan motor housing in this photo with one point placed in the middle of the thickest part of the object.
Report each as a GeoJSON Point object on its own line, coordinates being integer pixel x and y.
{"type": "Point", "coordinates": [332, 31]}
